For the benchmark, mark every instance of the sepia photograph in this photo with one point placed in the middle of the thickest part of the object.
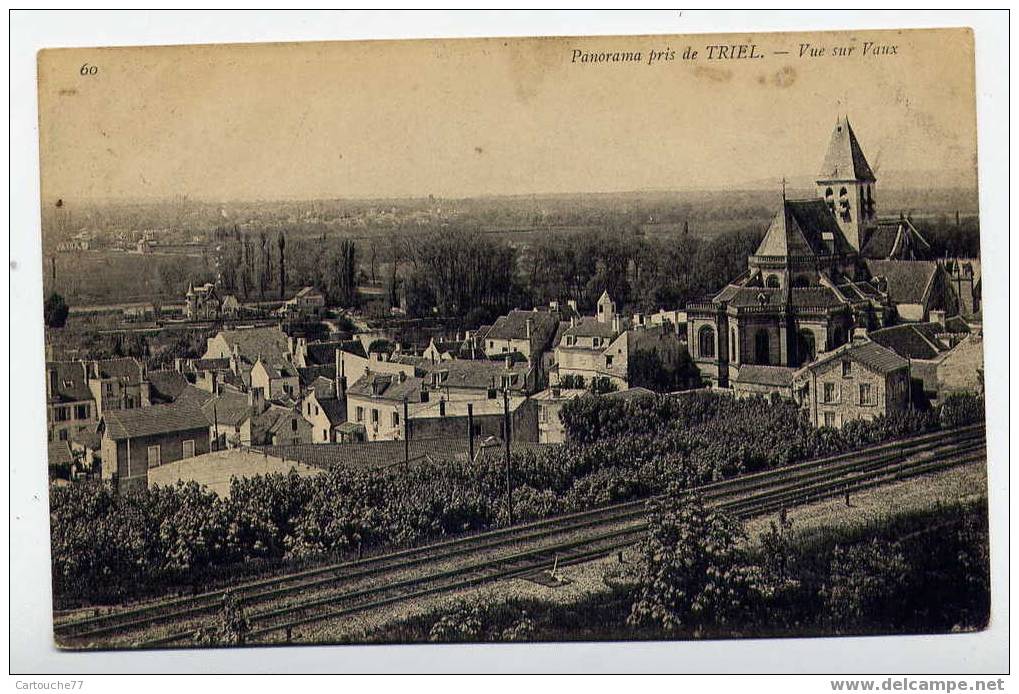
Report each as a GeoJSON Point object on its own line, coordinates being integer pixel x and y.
{"type": "Point", "coordinates": [650, 338]}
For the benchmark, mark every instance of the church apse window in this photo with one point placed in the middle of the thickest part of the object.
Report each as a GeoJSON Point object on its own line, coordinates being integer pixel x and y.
{"type": "Point", "coordinates": [806, 347]}
{"type": "Point", "coordinates": [706, 341]}
{"type": "Point", "coordinates": [772, 282]}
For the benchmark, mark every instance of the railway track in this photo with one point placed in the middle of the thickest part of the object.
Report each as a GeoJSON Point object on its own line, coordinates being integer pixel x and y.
{"type": "Point", "coordinates": [347, 588]}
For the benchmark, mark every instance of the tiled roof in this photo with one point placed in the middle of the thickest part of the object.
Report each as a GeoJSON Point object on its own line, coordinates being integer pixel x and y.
{"type": "Point", "coordinates": [907, 279]}
{"type": "Point", "coordinates": [87, 436]}
{"type": "Point", "coordinates": [629, 393]}
{"type": "Point", "coordinates": [912, 340]}
{"type": "Point", "coordinates": [800, 228]}
{"type": "Point", "coordinates": [69, 382]}
{"type": "Point", "coordinates": [268, 342]}
{"type": "Point", "coordinates": [775, 376]}
{"type": "Point", "coordinates": [282, 369]}
{"type": "Point", "coordinates": [894, 239]}
{"type": "Point", "coordinates": [474, 373]}
{"type": "Point", "coordinates": [194, 395]}
{"type": "Point", "coordinates": [388, 386]}
{"type": "Point", "coordinates": [309, 375]}
{"type": "Point", "coordinates": [844, 159]}
{"type": "Point", "coordinates": [222, 364]}
{"type": "Point", "coordinates": [166, 385]}
{"type": "Point", "coordinates": [870, 354]}
{"type": "Point", "coordinates": [126, 369]}
{"type": "Point", "coordinates": [323, 353]}
{"type": "Point", "coordinates": [802, 297]}
{"type": "Point", "coordinates": [335, 410]}
{"type": "Point", "coordinates": [154, 420]}
{"type": "Point", "coordinates": [513, 326]}
{"type": "Point", "coordinates": [589, 326]}
{"type": "Point", "coordinates": [227, 409]}
{"type": "Point", "coordinates": [59, 453]}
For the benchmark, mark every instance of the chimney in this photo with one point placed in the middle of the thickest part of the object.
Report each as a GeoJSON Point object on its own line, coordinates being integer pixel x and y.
{"type": "Point", "coordinates": [256, 400]}
{"type": "Point", "coordinates": [616, 324]}
{"type": "Point", "coordinates": [572, 303]}
{"type": "Point", "coordinates": [529, 323]}
{"type": "Point", "coordinates": [509, 362]}
{"type": "Point", "coordinates": [573, 321]}
{"type": "Point", "coordinates": [938, 317]}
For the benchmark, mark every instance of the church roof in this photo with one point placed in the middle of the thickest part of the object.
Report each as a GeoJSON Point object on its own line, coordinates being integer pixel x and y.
{"type": "Point", "coordinates": [907, 279]}
{"type": "Point", "coordinates": [800, 229]}
{"type": "Point", "coordinates": [844, 160]}
{"type": "Point", "coordinates": [895, 239]}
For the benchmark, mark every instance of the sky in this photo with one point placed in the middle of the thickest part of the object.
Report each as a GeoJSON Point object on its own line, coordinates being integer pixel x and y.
{"type": "Point", "coordinates": [459, 118]}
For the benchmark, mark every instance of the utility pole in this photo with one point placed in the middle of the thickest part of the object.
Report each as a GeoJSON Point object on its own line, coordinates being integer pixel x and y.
{"type": "Point", "coordinates": [470, 431]}
{"type": "Point", "coordinates": [406, 433]}
{"type": "Point", "coordinates": [506, 436]}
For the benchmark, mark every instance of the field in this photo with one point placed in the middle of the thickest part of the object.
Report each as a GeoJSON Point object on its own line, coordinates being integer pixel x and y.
{"type": "Point", "coordinates": [105, 277]}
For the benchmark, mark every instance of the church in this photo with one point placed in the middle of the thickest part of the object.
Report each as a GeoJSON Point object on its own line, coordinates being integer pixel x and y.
{"type": "Point", "coordinates": [809, 287]}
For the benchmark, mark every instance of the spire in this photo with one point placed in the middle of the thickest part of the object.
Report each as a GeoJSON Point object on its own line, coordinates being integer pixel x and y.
{"type": "Point", "coordinates": [844, 159]}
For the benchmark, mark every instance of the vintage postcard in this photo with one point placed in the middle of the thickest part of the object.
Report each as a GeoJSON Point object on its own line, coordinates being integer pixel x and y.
{"type": "Point", "coordinates": [524, 339]}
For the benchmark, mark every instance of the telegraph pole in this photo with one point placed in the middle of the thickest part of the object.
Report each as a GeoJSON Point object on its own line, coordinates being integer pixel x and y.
{"type": "Point", "coordinates": [506, 432]}
{"type": "Point", "coordinates": [406, 433]}
{"type": "Point", "coordinates": [470, 431]}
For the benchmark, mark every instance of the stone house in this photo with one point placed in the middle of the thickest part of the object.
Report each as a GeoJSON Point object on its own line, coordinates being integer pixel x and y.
{"type": "Point", "coordinates": [135, 440]}
{"type": "Point", "coordinates": [860, 380]}
{"type": "Point", "coordinates": [70, 406]}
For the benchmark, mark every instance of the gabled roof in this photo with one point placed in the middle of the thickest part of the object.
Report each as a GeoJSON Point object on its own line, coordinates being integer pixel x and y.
{"type": "Point", "coordinates": [895, 239]}
{"type": "Point", "coordinates": [911, 340]}
{"type": "Point", "coordinates": [59, 453]}
{"type": "Point", "coordinates": [268, 342]}
{"type": "Point", "coordinates": [589, 326]}
{"type": "Point", "coordinates": [800, 229]}
{"type": "Point", "coordinates": [69, 382]}
{"type": "Point", "coordinates": [153, 420]}
{"type": "Point", "coordinates": [221, 364]}
{"type": "Point", "coordinates": [227, 409]}
{"type": "Point", "coordinates": [872, 355]}
{"type": "Point", "coordinates": [282, 369]}
{"type": "Point", "coordinates": [474, 373]}
{"type": "Point", "coordinates": [323, 353]}
{"type": "Point", "coordinates": [387, 387]}
{"type": "Point", "coordinates": [334, 410]}
{"type": "Point", "coordinates": [908, 280]}
{"type": "Point", "coordinates": [166, 385]}
{"type": "Point", "coordinates": [773, 376]}
{"type": "Point", "coordinates": [126, 369]}
{"type": "Point", "coordinates": [310, 374]}
{"type": "Point", "coordinates": [844, 160]}
{"type": "Point", "coordinates": [513, 326]}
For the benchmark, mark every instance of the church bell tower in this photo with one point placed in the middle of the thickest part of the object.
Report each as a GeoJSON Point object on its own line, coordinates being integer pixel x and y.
{"type": "Point", "coordinates": [846, 183]}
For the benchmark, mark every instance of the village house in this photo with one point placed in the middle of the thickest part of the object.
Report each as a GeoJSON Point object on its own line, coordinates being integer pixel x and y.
{"type": "Point", "coordinates": [117, 384]}
{"type": "Point", "coordinates": [324, 407]}
{"type": "Point", "coordinates": [550, 403]}
{"type": "Point", "coordinates": [202, 302]}
{"type": "Point", "coordinates": [527, 333]}
{"type": "Point", "coordinates": [307, 303]}
{"type": "Point", "coordinates": [604, 348]}
{"type": "Point", "coordinates": [914, 287]}
{"type": "Point", "coordinates": [375, 405]}
{"type": "Point", "coordinates": [440, 418]}
{"type": "Point", "coordinates": [280, 381]}
{"type": "Point", "coordinates": [135, 440]}
{"type": "Point", "coordinates": [69, 402]}
{"type": "Point", "coordinates": [945, 355]}
{"type": "Point", "coordinates": [462, 379]}
{"type": "Point", "coordinates": [859, 380]}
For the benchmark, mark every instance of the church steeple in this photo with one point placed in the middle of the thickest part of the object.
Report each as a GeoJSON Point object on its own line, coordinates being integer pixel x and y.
{"type": "Point", "coordinates": [846, 182]}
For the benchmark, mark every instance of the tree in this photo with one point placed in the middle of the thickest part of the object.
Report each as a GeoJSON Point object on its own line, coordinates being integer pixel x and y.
{"type": "Point", "coordinates": [282, 243]}
{"type": "Point", "coordinates": [863, 584]}
{"type": "Point", "coordinates": [692, 573]}
{"type": "Point", "coordinates": [55, 311]}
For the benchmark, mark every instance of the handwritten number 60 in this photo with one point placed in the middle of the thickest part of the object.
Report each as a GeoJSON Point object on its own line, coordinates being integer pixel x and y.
{"type": "Point", "coordinates": [88, 70]}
